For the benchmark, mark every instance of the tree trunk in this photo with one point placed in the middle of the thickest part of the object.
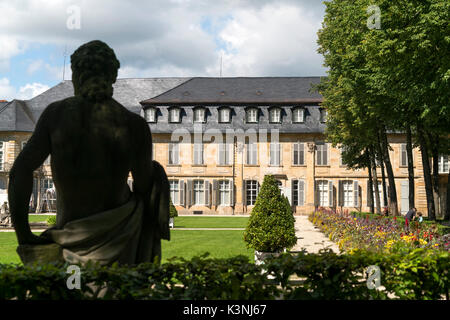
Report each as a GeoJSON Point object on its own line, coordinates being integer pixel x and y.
{"type": "Point", "coordinates": [434, 143]}
{"type": "Point", "coordinates": [370, 187]}
{"type": "Point", "coordinates": [426, 172]}
{"type": "Point", "coordinates": [383, 175]}
{"type": "Point", "coordinates": [410, 167]}
{"type": "Point", "coordinates": [375, 183]}
{"type": "Point", "coordinates": [393, 204]}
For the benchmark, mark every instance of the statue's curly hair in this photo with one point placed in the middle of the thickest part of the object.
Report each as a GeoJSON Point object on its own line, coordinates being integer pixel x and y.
{"type": "Point", "coordinates": [94, 70]}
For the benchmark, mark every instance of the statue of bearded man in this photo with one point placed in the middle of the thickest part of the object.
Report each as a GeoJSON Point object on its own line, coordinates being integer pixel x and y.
{"type": "Point", "coordinates": [94, 143]}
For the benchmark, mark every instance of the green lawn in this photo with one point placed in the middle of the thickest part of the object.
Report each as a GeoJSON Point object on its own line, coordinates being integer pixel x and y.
{"type": "Point", "coordinates": [210, 222]}
{"type": "Point", "coordinates": [184, 243]}
{"type": "Point", "coordinates": [38, 218]}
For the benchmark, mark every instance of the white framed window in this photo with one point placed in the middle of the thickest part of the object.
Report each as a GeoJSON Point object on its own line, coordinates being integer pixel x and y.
{"type": "Point", "coordinates": [347, 189]}
{"type": "Point", "coordinates": [47, 183]}
{"type": "Point", "coordinates": [275, 154]}
{"type": "Point", "coordinates": [275, 115]}
{"type": "Point", "coordinates": [251, 189]}
{"type": "Point", "coordinates": [403, 155]}
{"type": "Point", "coordinates": [198, 153]}
{"type": "Point", "coordinates": [224, 115]}
{"type": "Point", "coordinates": [2, 154]}
{"type": "Point", "coordinates": [323, 192]}
{"type": "Point", "coordinates": [298, 154]}
{"type": "Point", "coordinates": [298, 115]}
{"type": "Point", "coordinates": [323, 115]}
{"type": "Point", "coordinates": [251, 153]}
{"type": "Point", "coordinates": [298, 192]}
{"type": "Point", "coordinates": [224, 152]}
{"type": "Point", "coordinates": [199, 115]}
{"type": "Point", "coordinates": [174, 115]}
{"type": "Point", "coordinates": [224, 192]}
{"type": "Point", "coordinates": [380, 192]}
{"type": "Point", "coordinates": [252, 115]}
{"type": "Point", "coordinates": [322, 154]}
{"type": "Point", "coordinates": [174, 153]}
{"type": "Point", "coordinates": [443, 164]}
{"type": "Point", "coordinates": [150, 114]}
{"type": "Point", "coordinates": [199, 192]}
{"type": "Point", "coordinates": [175, 191]}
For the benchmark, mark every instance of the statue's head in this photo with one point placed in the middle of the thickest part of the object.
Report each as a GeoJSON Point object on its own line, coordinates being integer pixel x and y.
{"type": "Point", "coordinates": [94, 70]}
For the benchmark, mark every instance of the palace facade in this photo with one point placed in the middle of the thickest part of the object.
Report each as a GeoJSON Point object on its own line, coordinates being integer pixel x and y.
{"type": "Point", "coordinates": [218, 137]}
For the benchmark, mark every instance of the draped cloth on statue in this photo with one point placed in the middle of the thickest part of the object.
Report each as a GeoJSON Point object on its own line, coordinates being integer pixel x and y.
{"type": "Point", "coordinates": [118, 234]}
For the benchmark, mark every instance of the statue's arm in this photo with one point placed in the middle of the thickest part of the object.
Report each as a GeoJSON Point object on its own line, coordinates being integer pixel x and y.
{"type": "Point", "coordinates": [20, 186]}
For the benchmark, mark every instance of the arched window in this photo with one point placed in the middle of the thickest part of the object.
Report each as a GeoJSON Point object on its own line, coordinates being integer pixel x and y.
{"type": "Point", "coordinates": [275, 115]}
{"type": "Point", "coordinates": [174, 115]}
{"type": "Point", "coordinates": [252, 115]}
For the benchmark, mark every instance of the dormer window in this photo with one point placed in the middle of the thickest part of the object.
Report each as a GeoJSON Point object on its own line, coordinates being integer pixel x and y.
{"type": "Point", "coordinates": [323, 115]}
{"type": "Point", "coordinates": [275, 115]}
{"type": "Point", "coordinates": [174, 115]}
{"type": "Point", "coordinates": [224, 115]}
{"type": "Point", "coordinates": [150, 115]}
{"type": "Point", "coordinates": [298, 115]}
{"type": "Point", "coordinates": [252, 115]}
{"type": "Point", "coordinates": [199, 115]}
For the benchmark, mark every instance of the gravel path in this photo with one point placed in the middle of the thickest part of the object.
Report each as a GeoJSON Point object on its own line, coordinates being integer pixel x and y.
{"type": "Point", "coordinates": [310, 237]}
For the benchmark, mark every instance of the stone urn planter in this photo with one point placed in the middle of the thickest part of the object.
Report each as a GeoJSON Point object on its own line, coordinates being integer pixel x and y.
{"type": "Point", "coordinates": [171, 222]}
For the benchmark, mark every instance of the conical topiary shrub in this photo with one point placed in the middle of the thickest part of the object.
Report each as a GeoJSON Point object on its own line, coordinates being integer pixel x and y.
{"type": "Point", "coordinates": [271, 224]}
{"type": "Point", "coordinates": [172, 211]}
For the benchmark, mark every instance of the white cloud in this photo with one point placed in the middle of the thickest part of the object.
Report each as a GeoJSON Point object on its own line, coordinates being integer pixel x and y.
{"type": "Point", "coordinates": [31, 90]}
{"type": "Point", "coordinates": [168, 38]}
{"type": "Point", "coordinates": [7, 91]}
{"type": "Point", "coordinates": [35, 66]}
{"type": "Point", "coordinates": [28, 91]}
{"type": "Point", "coordinates": [273, 40]}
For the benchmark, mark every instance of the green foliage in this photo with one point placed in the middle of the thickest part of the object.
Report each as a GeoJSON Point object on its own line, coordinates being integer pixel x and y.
{"type": "Point", "coordinates": [51, 220]}
{"type": "Point", "coordinates": [271, 224]}
{"type": "Point", "coordinates": [172, 211]}
{"type": "Point", "coordinates": [420, 274]}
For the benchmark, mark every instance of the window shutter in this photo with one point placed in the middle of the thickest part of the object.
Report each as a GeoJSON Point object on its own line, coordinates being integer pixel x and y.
{"type": "Point", "coordinates": [403, 155]}
{"type": "Point", "coordinates": [356, 193]}
{"type": "Point", "coordinates": [280, 154]}
{"type": "Point", "coordinates": [319, 155]}
{"type": "Point", "coordinates": [190, 193]}
{"type": "Point", "coordinates": [181, 186]}
{"type": "Point", "coordinates": [369, 200]}
{"type": "Point", "coordinates": [316, 194]}
{"type": "Point", "coordinates": [325, 155]}
{"type": "Point", "coordinates": [301, 154]}
{"type": "Point", "coordinates": [207, 194]}
{"type": "Point", "coordinates": [294, 154]}
{"type": "Point", "coordinates": [231, 193]}
{"type": "Point", "coordinates": [301, 192]}
{"type": "Point", "coordinates": [220, 153]}
{"type": "Point", "coordinates": [292, 192]}
{"type": "Point", "coordinates": [244, 192]}
{"type": "Point", "coordinates": [176, 153]}
{"type": "Point", "coordinates": [341, 193]}
{"type": "Point", "coordinates": [330, 194]}
{"type": "Point", "coordinates": [215, 193]}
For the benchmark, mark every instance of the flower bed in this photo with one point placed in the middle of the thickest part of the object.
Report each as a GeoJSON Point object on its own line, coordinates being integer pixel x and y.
{"type": "Point", "coordinates": [378, 233]}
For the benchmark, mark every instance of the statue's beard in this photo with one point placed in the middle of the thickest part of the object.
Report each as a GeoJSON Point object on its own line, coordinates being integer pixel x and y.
{"type": "Point", "coordinates": [96, 88]}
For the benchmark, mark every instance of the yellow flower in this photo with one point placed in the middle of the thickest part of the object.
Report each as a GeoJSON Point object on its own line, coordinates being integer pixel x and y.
{"type": "Point", "coordinates": [422, 242]}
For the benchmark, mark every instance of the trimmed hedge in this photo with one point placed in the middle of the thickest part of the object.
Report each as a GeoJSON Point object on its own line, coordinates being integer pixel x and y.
{"type": "Point", "coordinates": [420, 274]}
{"type": "Point", "coordinates": [271, 224]}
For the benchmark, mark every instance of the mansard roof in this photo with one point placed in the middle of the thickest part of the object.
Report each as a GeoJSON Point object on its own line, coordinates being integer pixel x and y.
{"type": "Point", "coordinates": [22, 115]}
{"type": "Point", "coordinates": [241, 90]}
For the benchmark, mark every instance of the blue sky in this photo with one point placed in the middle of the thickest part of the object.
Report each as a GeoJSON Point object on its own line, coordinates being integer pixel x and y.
{"type": "Point", "coordinates": [159, 38]}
